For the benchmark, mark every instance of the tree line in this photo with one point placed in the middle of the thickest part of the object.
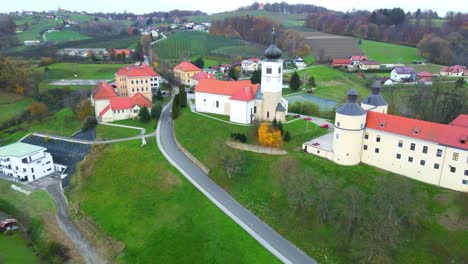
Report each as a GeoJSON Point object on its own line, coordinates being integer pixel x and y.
{"type": "Point", "coordinates": [8, 36]}
{"type": "Point", "coordinates": [258, 29]}
{"type": "Point", "coordinates": [285, 8]}
{"type": "Point", "coordinates": [443, 45]}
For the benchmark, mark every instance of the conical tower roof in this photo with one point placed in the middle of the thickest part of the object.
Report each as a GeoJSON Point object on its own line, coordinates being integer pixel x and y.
{"type": "Point", "coordinates": [375, 98]}
{"type": "Point", "coordinates": [351, 107]}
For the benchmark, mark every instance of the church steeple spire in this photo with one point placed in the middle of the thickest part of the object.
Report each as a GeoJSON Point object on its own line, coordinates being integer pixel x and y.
{"type": "Point", "coordinates": [273, 52]}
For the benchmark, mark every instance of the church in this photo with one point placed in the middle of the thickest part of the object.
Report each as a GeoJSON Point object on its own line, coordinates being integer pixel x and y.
{"type": "Point", "coordinates": [243, 101]}
{"type": "Point", "coordinates": [425, 151]}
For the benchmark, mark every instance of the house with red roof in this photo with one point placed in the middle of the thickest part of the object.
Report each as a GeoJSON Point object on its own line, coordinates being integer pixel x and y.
{"type": "Point", "coordinates": [430, 152]}
{"type": "Point", "coordinates": [109, 107]}
{"type": "Point", "coordinates": [369, 65]}
{"type": "Point", "coordinates": [454, 71]}
{"type": "Point", "coordinates": [340, 63]}
{"type": "Point", "coordinates": [194, 80]}
{"type": "Point", "coordinates": [357, 59]}
{"type": "Point", "coordinates": [249, 65]}
{"type": "Point", "coordinates": [425, 77]}
{"type": "Point", "coordinates": [184, 71]}
{"type": "Point", "coordinates": [137, 78]}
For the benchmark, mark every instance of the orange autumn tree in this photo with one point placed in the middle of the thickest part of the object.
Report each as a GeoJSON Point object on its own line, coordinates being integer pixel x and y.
{"type": "Point", "coordinates": [269, 136]}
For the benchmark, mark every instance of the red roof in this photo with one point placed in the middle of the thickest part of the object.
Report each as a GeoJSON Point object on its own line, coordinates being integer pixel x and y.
{"type": "Point", "coordinates": [127, 52]}
{"type": "Point", "coordinates": [238, 90]}
{"type": "Point", "coordinates": [461, 121]}
{"type": "Point", "coordinates": [103, 91]}
{"type": "Point", "coordinates": [254, 59]}
{"type": "Point", "coordinates": [124, 102]}
{"type": "Point", "coordinates": [434, 132]}
{"type": "Point", "coordinates": [341, 62]}
{"type": "Point", "coordinates": [202, 75]}
{"type": "Point", "coordinates": [186, 66]}
{"type": "Point", "coordinates": [140, 70]}
{"type": "Point", "coordinates": [104, 111]}
{"type": "Point", "coordinates": [424, 74]}
{"type": "Point", "coordinates": [358, 58]}
{"type": "Point", "coordinates": [454, 69]}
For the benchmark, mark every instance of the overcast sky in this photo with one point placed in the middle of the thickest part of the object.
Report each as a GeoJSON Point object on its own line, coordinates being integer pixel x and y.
{"type": "Point", "coordinates": [213, 6]}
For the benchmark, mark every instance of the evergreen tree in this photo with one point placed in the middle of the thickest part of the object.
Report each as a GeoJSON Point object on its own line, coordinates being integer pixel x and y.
{"type": "Point", "coordinates": [175, 107]}
{"type": "Point", "coordinates": [159, 96]}
{"type": "Point", "coordinates": [311, 81]}
{"type": "Point", "coordinates": [256, 77]}
{"type": "Point", "coordinates": [280, 127]}
{"type": "Point", "coordinates": [274, 123]}
{"type": "Point", "coordinates": [200, 63]}
{"type": "Point", "coordinates": [138, 54]}
{"type": "Point", "coordinates": [144, 114]}
{"type": "Point", "coordinates": [295, 82]}
{"type": "Point", "coordinates": [156, 111]}
{"type": "Point", "coordinates": [182, 96]}
{"type": "Point", "coordinates": [287, 136]}
{"type": "Point", "coordinates": [232, 74]}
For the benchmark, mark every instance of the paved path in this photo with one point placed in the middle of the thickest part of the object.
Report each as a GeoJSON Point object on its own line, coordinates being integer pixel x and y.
{"type": "Point", "coordinates": [275, 243]}
{"type": "Point", "coordinates": [156, 41]}
{"type": "Point", "coordinates": [90, 142]}
{"type": "Point", "coordinates": [68, 227]}
{"type": "Point", "coordinates": [76, 82]}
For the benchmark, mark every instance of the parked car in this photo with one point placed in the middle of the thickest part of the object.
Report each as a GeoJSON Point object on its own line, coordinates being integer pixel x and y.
{"type": "Point", "coordinates": [307, 118]}
{"type": "Point", "coordinates": [296, 116]}
{"type": "Point", "coordinates": [324, 126]}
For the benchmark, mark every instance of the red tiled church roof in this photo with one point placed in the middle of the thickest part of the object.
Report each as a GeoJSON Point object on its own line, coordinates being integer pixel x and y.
{"type": "Point", "coordinates": [103, 91]}
{"type": "Point", "coordinates": [460, 121]}
{"type": "Point", "coordinates": [186, 67]}
{"type": "Point", "coordinates": [238, 90]}
{"type": "Point", "coordinates": [448, 135]}
{"type": "Point", "coordinates": [141, 70]}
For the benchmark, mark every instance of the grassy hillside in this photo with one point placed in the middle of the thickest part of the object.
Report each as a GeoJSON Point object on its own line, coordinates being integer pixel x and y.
{"type": "Point", "coordinates": [65, 36]}
{"type": "Point", "coordinates": [263, 190]}
{"type": "Point", "coordinates": [12, 105]}
{"type": "Point", "coordinates": [16, 250]}
{"type": "Point", "coordinates": [135, 196]}
{"type": "Point", "coordinates": [389, 53]}
{"type": "Point", "coordinates": [286, 20]}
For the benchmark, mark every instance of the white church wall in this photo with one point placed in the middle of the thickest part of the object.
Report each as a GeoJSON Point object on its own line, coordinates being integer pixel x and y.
{"type": "Point", "coordinates": [241, 111]}
{"type": "Point", "coordinates": [212, 103]}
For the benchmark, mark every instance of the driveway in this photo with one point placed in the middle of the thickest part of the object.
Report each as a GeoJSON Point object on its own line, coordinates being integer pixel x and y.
{"type": "Point", "coordinates": [265, 235]}
{"type": "Point", "coordinates": [76, 82]}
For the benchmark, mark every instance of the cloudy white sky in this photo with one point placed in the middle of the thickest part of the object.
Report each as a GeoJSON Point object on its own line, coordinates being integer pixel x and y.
{"type": "Point", "coordinates": [213, 6]}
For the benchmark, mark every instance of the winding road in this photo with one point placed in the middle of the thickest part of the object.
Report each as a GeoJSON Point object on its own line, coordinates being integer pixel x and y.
{"type": "Point", "coordinates": [265, 235]}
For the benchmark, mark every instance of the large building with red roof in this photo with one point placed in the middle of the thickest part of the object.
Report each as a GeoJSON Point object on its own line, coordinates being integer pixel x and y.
{"type": "Point", "coordinates": [137, 78]}
{"type": "Point", "coordinates": [425, 151]}
{"type": "Point", "coordinates": [109, 107]}
{"type": "Point", "coordinates": [243, 101]}
{"type": "Point", "coordinates": [454, 71]}
{"type": "Point", "coordinates": [184, 71]}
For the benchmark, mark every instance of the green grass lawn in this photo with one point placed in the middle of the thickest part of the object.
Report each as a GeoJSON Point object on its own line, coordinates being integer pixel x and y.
{"type": "Point", "coordinates": [261, 189]}
{"type": "Point", "coordinates": [309, 59]}
{"type": "Point", "coordinates": [104, 132]}
{"type": "Point", "coordinates": [389, 53]}
{"type": "Point", "coordinates": [15, 250]}
{"type": "Point", "coordinates": [12, 105]}
{"type": "Point", "coordinates": [134, 195]}
{"type": "Point", "coordinates": [432, 68]}
{"type": "Point", "coordinates": [331, 83]}
{"type": "Point", "coordinates": [65, 36]}
{"type": "Point", "coordinates": [149, 126]}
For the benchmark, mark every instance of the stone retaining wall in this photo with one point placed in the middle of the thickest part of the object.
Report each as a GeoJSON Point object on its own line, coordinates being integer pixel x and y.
{"type": "Point", "coordinates": [190, 156]}
{"type": "Point", "coordinates": [256, 148]}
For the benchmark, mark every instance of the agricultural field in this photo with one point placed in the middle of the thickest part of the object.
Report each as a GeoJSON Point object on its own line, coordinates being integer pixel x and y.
{"type": "Point", "coordinates": [175, 222]}
{"type": "Point", "coordinates": [15, 250]}
{"type": "Point", "coordinates": [332, 46]}
{"type": "Point", "coordinates": [432, 68]}
{"type": "Point", "coordinates": [261, 188]}
{"type": "Point", "coordinates": [287, 20]}
{"type": "Point", "coordinates": [187, 44]}
{"type": "Point", "coordinates": [234, 51]}
{"type": "Point", "coordinates": [11, 105]}
{"type": "Point", "coordinates": [65, 36]}
{"type": "Point", "coordinates": [390, 53]}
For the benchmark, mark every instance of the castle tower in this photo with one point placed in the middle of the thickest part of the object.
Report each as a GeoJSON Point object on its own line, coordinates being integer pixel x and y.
{"type": "Point", "coordinates": [350, 121]}
{"type": "Point", "coordinates": [375, 102]}
{"type": "Point", "coordinates": [272, 84]}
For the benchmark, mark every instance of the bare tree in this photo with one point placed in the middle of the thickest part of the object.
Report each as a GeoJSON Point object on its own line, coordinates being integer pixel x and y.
{"type": "Point", "coordinates": [232, 161]}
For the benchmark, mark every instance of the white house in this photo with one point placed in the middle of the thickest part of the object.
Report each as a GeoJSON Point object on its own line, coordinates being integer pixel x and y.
{"type": "Point", "coordinates": [400, 74]}
{"type": "Point", "coordinates": [199, 28]}
{"type": "Point", "coordinates": [429, 152]}
{"type": "Point", "coordinates": [243, 101]}
{"type": "Point", "coordinates": [25, 162]}
{"type": "Point", "coordinates": [249, 65]}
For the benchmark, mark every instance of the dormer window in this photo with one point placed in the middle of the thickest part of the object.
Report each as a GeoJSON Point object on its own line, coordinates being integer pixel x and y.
{"type": "Point", "coordinates": [416, 130]}
{"type": "Point", "coordinates": [382, 124]}
{"type": "Point", "coordinates": [463, 139]}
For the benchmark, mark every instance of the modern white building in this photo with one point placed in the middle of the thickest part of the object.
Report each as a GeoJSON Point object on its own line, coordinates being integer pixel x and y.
{"type": "Point", "coordinates": [429, 152]}
{"type": "Point", "coordinates": [243, 101]}
{"type": "Point", "coordinates": [400, 74]}
{"type": "Point", "coordinates": [26, 162]}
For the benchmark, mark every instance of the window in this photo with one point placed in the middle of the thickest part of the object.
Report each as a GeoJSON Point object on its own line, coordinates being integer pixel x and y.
{"type": "Point", "coordinates": [377, 139]}
{"type": "Point", "coordinates": [425, 149]}
{"type": "Point", "coordinates": [455, 156]}
{"type": "Point", "coordinates": [400, 143]}
{"type": "Point", "coordinates": [49, 169]}
{"type": "Point", "coordinates": [268, 114]}
{"type": "Point", "coordinates": [377, 150]}
{"type": "Point", "coordinates": [366, 135]}
{"type": "Point", "coordinates": [453, 169]}
{"type": "Point", "coordinates": [466, 172]}
{"type": "Point", "coordinates": [465, 182]}
{"type": "Point", "coordinates": [365, 147]}
{"type": "Point", "coordinates": [413, 146]}
{"type": "Point", "coordinates": [398, 156]}
{"type": "Point", "coordinates": [133, 89]}
{"type": "Point", "coordinates": [32, 170]}
{"type": "Point", "coordinates": [132, 81]}
{"type": "Point", "coordinates": [439, 153]}
{"type": "Point", "coordinates": [422, 162]}
{"type": "Point", "coordinates": [255, 109]}
{"type": "Point", "coordinates": [436, 166]}
{"type": "Point", "coordinates": [268, 70]}
{"type": "Point", "coordinates": [410, 159]}
{"type": "Point", "coordinates": [337, 124]}
{"type": "Point", "coordinates": [279, 70]}
{"type": "Point", "coordinates": [136, 81]}
{"type": "Point", "coordinates": [337, 136]}
{"type": "Point", "coordinates": [217, 104]}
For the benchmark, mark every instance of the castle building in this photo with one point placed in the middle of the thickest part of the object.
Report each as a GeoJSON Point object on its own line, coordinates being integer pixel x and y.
{"type": "Point", "coordinates": [425, 151]}
{"type": "Point", "coordinates": [137, 78]}
{"type": "Point", "coordinates": [243, 101]}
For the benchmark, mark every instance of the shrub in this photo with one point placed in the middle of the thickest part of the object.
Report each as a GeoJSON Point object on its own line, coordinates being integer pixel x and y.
{"type": "Point", "coordinates": [287, 136]}
{"type": "Point", "coordinates": [144, 114]}
{"type": "Point", "coordinates": [156, 111]}
{"type": "Point", "coordinates": [89, 123]}
{"type": "Point", "coordinates": [269, 136]}
{"type": "Point", "coordinates": [239, 137]}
